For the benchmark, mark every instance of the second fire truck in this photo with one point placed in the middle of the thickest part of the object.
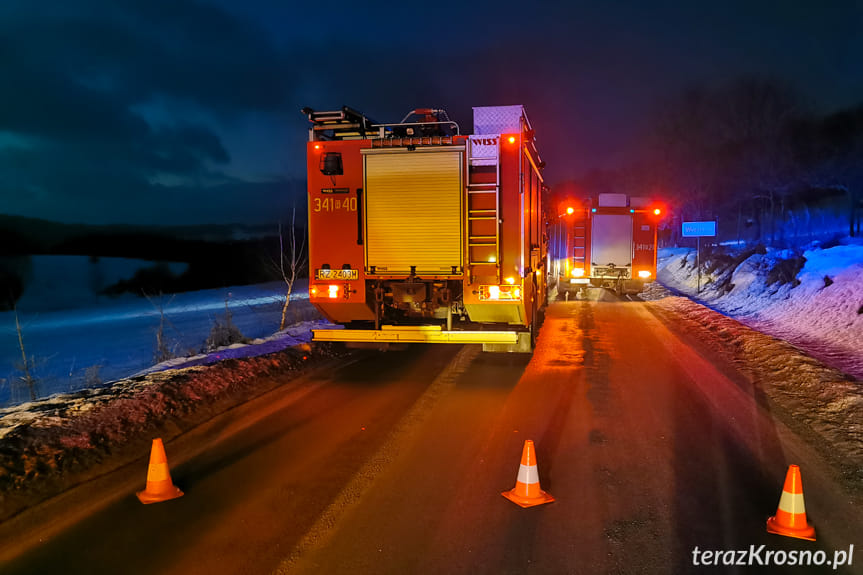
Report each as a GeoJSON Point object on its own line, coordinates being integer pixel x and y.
{"type": "Point", "coordinates": [608, 242]}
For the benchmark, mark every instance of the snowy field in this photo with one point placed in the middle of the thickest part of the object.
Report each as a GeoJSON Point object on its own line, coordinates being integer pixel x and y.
{"type": "Point", "coordinates": [818, 309]}
{"type": "Point", "coordinates": [111, 339]}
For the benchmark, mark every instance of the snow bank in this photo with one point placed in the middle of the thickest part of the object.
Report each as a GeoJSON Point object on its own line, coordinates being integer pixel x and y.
{"type": "Point", "coordinates": [812, 298]}
{"type": "Point", "coordinates": [77, 348]}
{"type": "Point", "coordinates": [819, 309]}
{"type": "Point", "coordinates": [50, 445]}
{"type": "Point", "coordinates": [824, 400]}
{"type": "Point", "coordinates": [295, 335]}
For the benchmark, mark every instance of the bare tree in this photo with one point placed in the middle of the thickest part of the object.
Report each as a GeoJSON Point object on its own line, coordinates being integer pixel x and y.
{"type": "Point", "coordinates": [834, 159]}
{"type": "Point", "coordinates": [756, 116]}
{"type": "Point", "coordinates": [290, 265]}
{"type": "Point", "coordinates": [684, 150]}
{"type": "Point", "coordinates": [163, 351]}
{"type": "Point", "coordinates": [728, 148]}
{"type": "Point", "coordinates": [224, 333]}
{"type": "Point", "coordinates": [26, 366]}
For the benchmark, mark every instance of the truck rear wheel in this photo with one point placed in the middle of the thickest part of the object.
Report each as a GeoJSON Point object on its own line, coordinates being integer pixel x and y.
{"type": "Point", "coordinates": [534, 329]}
{"type": "Point", "coordinates": [535, 324]}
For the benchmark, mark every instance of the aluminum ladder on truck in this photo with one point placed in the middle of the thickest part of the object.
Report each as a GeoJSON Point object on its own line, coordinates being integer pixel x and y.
{"type": "Point", "coordinates": [483, 205]}
{"type": "Point", "coordinates": [579, 244]}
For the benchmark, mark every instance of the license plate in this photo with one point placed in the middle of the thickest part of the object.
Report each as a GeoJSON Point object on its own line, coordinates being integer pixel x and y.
{"type": "Point", "coordinates": [336, 274]}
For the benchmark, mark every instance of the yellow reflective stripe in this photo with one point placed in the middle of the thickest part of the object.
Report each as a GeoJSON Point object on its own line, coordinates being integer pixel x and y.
{"type": "Point", "coordinates": [415, 336]}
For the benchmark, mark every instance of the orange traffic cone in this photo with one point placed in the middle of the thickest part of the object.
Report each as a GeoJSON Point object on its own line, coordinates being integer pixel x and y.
{"type": "Point", "coordinates": [526, 491]}
{"type": "Point", "coordinates": [790, 518]}
{"type": "Point", "coordinates": [159, 485]}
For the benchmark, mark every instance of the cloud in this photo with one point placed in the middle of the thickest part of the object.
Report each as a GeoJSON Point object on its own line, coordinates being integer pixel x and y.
{"type": "Point", "coordinates": [85, 187]}
{"type": "Point", "coordinates": [124, 95]}
{"type": "Point", "coordinates": [78, 81]}
{"type": "Point", "coordinates": [136, 49]}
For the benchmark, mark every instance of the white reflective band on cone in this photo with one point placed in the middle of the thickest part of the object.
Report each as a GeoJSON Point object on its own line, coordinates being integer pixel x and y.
{"type": "Point", "coordinates": [158, 472]}
{"type": "Point", "coordinates": [792, 503]}
{"type": "Point", "coordinates": [528, 474]}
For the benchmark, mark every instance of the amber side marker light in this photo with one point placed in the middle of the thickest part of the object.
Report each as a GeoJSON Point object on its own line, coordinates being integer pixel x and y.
{"type": "Point", "coordinates": [657, 211]}
{"type": "Point", "coordinates": [499, 293]}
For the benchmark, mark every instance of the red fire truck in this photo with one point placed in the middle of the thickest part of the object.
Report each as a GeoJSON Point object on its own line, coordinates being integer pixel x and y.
{"type": "Point", "coordinates": [418, 233]}
{"type": "Point", "coordinates": [608, 241]}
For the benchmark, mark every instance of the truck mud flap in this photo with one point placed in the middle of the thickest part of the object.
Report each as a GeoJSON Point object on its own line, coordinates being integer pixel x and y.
{"type": "Point", "coordinates": [521, 346]}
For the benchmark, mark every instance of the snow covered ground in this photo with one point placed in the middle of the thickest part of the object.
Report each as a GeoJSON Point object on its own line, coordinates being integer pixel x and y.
{"type": "Point", "coordinates": [107, 340]}
{"type": "Point", "coordinates": [818, 308]}
{"type": "Point", "coordinates": [791, 321]}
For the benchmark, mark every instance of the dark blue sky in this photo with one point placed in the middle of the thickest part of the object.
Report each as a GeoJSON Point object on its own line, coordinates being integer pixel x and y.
{"type": "Point", "coordinates": [182, 111]}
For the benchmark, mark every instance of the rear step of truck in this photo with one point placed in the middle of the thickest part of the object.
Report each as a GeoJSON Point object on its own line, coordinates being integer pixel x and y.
{"type": "Point", "coordinates": [502, 341]}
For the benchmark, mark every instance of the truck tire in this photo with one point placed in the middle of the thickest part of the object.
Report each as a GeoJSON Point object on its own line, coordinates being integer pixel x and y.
{"type": "Point", "coordinates": [534, 328]}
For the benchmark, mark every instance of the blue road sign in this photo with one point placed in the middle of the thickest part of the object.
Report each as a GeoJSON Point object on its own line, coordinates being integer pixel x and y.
{"type": "Point", "coordinates": [699, 229]}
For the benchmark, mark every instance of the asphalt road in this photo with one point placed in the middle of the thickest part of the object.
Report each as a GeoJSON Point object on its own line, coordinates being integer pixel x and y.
{"type": "Point", "coordinates": [395, 463]}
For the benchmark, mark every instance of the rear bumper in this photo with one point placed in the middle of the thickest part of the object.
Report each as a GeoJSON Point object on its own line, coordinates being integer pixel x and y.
{"type": "Point", "coordinates": [633, 286]}
{"type": "Point", "coordinates": [415, 334]}
{"type": "Point", "coordinates": [572, 284]}
{"type": "Point", "coordinates": [629, 286]}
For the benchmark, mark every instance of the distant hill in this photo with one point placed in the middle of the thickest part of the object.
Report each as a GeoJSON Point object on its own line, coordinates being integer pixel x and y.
{"type": "Point", "coordinates": [30, 236]}
{"type": "Point", "coordinates": [217, 255]}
